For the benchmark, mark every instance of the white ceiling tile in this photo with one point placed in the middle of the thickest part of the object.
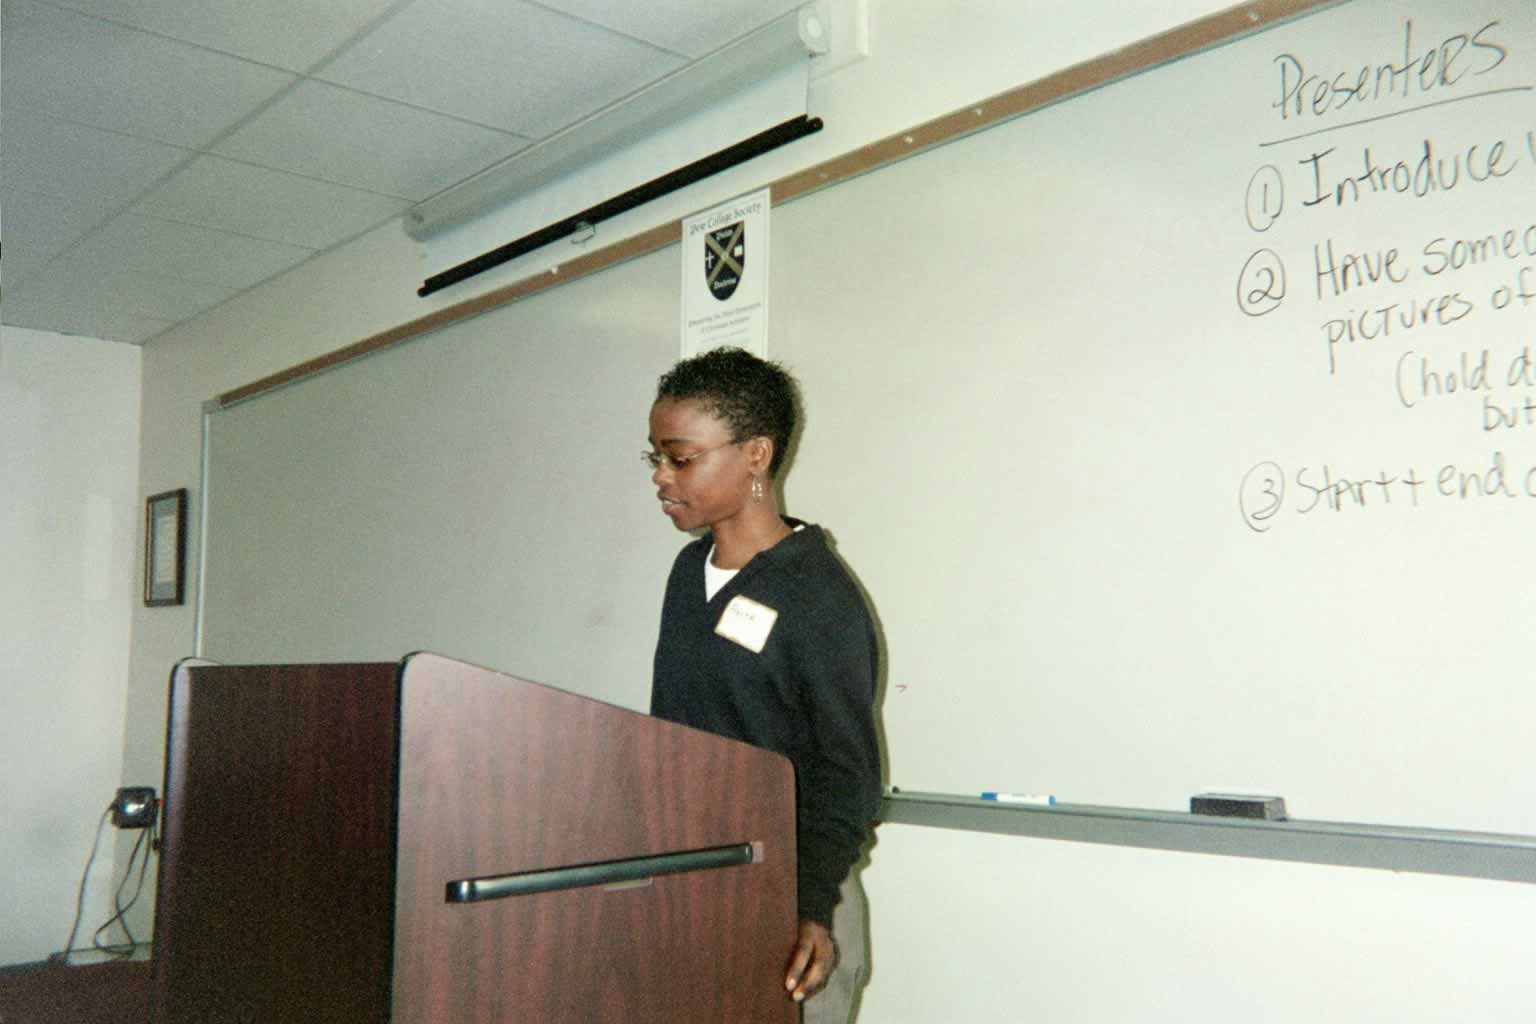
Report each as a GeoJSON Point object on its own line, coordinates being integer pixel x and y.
{"type": "Point", "coordinates": [351, 138]}
{"type": "Point", "coordinates": [216, 193]}
{"type": "Point", "coordinates": [153, 246]}
{"type": "Point", "coordinates": [291, 34]}
{"type": "Point", "coordinates": [19, 263]}
{"type": "Point", "coordinates": [81, 69]}
{"type": "Point", "coordinates": [503, 63]}
{"type": "Point", "coordinates": [37, 228]}
{"type": "Point", "coordinates": [681, 26]}
{"type": "Point", "coordinates": [71, 318]}
{"type": "Point", "coordinates": [108, 287]}
{"type": "Point", "coordinates": [59, 158]}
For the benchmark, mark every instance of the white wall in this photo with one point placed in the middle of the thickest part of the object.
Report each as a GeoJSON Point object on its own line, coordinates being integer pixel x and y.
{"type": "Point", "coordinates": [69, 515]}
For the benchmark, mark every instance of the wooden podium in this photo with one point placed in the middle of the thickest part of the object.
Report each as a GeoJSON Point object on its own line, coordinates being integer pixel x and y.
{"type": "Point", "coordinates": [433, 842]}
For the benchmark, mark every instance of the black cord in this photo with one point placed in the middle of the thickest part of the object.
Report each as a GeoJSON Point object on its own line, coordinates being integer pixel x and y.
{"type": "Point", "coordinates": [146, 843]}
{"type": "Point", "coordinates": [69, 947]}
{"type": "Point", "coordinates": [117, 904]}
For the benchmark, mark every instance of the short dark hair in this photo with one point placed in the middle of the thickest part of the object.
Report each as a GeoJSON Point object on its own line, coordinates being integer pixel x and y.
{"type": "Point", "coordinates": [755, 397]}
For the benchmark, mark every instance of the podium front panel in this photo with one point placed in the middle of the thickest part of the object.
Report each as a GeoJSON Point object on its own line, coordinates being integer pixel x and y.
{"type": "Point", "coordinates": [499, 777]}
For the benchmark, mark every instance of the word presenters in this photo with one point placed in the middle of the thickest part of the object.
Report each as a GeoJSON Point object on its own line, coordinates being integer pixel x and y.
{"type": "Point", "coordinates": [1390, 219]}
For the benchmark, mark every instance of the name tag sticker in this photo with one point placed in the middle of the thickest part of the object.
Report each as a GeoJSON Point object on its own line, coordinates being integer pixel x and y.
{"type": "Point", "coordinates": [747, 623]}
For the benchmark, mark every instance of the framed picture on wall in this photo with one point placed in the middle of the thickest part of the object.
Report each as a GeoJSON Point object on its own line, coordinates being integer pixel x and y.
{"type": "Point", "coordinates": [165, 548]}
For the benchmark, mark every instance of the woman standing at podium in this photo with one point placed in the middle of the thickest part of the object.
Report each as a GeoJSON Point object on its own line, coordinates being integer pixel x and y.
{"type": "Point", "coordinates": [765, 638]}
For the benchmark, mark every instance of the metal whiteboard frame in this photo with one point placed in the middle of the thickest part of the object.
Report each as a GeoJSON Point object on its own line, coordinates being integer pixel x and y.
{"type": "Point", "coordinates": [1490, 855]}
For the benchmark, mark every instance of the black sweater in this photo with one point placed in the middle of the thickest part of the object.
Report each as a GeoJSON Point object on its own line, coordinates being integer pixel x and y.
{"type": "Point", "coordinates": [809, 694]}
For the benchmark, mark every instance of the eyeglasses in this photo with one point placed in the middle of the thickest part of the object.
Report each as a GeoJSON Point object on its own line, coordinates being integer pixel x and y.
{"type": "Point", "coordinates": [678, 462]}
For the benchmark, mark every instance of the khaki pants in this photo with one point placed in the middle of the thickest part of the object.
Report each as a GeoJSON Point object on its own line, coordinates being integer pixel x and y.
{"type": "Point", "coordinates": [834, 1003]}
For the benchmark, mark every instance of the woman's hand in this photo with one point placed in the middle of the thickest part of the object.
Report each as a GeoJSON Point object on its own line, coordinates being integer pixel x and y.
{"type": "Point", "coordinates": [811, 963]}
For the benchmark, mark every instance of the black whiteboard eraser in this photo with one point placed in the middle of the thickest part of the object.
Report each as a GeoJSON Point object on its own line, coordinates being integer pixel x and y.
{"type": "Point", "coordinates": [1238, 805]}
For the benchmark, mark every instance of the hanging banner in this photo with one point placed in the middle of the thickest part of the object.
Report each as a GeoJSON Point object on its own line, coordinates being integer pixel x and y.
{"type": "Point", "coordinates": [725, 276]}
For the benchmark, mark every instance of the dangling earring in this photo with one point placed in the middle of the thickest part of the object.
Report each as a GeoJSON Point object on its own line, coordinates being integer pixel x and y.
{"type": "Point", "coordinates": [757, 488]}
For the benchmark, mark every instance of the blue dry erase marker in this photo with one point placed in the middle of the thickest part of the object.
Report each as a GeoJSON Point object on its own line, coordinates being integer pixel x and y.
{"type": "Point", "coordinates": [1036, 799]}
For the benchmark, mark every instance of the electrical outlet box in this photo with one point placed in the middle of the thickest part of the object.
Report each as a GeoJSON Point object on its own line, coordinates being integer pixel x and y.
{"type": "Point", "coordinates": [134, 807]}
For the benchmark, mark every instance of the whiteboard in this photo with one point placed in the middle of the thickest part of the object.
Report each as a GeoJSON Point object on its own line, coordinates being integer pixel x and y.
{"type": "Point", "coordinates": [1135, 520]}
{"type": "Point", "coordinates": [479, 494]}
